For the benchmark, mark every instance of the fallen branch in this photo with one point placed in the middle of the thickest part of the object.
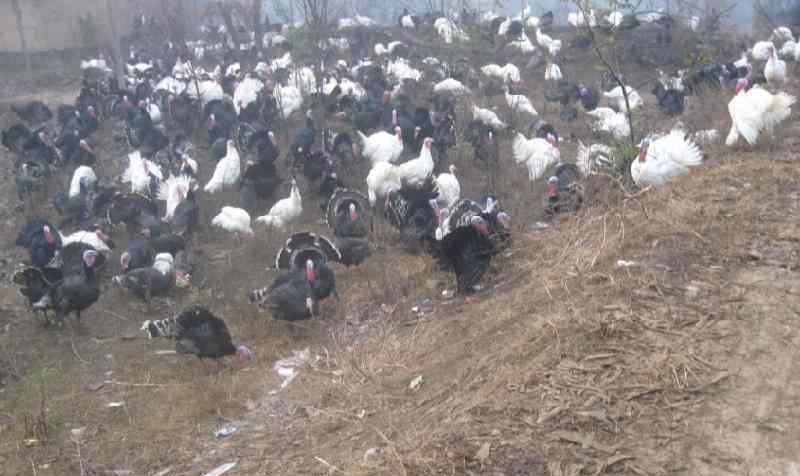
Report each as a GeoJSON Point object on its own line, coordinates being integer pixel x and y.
{"type": "Point", "coordinates": [585, 441]}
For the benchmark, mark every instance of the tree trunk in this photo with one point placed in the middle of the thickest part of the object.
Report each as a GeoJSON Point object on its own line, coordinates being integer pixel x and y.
{"type": "Point", "coordinates": [22, 42]}
{"type": "Point", "coordinates": [116, 48]}
{"type": "Point", "coordinates": [258, 24]}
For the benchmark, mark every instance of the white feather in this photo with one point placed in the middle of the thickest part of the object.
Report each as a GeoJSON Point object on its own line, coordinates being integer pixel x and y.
{"type": "Point", "coordinates": [415, 172]}
{"type": "Point", "coordinates": [762, 50]}
{"type": "Point", "coordinates": [667, 157]}
{"type": "Point", "coordinates": [520, 103]}
{"type": "Point", "coordinates": [246, 92]}
{"type": "Point", "coordinates": [757, 110]}
{"type": "Point", "coordinates": [89, 238]}
{"type": "Point", "coordinates": [450, 85]}
{"type": "Point", "coordinates": [173, 190]}
{"type": "Point", "coordinates": [83, 174]}
{"type": "Point", "coordinates": [487, 117]}
{"type": "Point", "coordinates": [234, 220]}
{"type": "Point", "coordinates": [227, 172]}
{"type": "Point", "coordinates": [449, 188]}
{"type": "Point", "coordinates": [381, 146]}
{"type": "Point", "coordinates": [537, 154]}
{"type": "Point", "coordinates": [383, 177]}
{"type": "Point", "coordinates": [289, 98]}
{"type": "Point", "coordinates": [607, 120]}
{"type": "Point", "coordinates": [588, 157]}
{"type": "Point", "coordinates": [617, 99]}
{"type": "Point", "coordinates": [140, 172]}
{"type": "Point", "coordinates": [285, 211]}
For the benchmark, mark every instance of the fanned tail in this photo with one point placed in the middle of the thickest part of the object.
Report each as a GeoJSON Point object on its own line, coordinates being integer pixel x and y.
{"type": "Point", "coordinates": [161, 328]}
{"type": "Point", "coordinates": [259, 296]}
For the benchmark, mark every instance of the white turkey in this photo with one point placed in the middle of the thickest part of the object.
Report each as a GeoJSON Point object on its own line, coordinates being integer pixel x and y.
{"type": "Point", "coordinates": [520, 103]}
{"type": "Point", "coordinates": [552, 72]}
{"type": "Point", "coordinates": [589, 158]}
{"type": "Point", "coordinates": [615, 18]}
{"type": "Point", "coordinates": [448, 187]}
{"type": "Point", "coordinates": [661, 159]}
{"type": "Point", "coordinates": [416, 172]}
{"type": "Point", "coordinates": [381, 146]}
{"type": "Point", "coordinates": [206, 91]}
{"type": "Point", "coordinates": [790, 50]}
{"type": "Point", "coordinates": [246, 93]}
{"type": "Point", "coordinates": [289, 99]}
{"type": "Point", "coordinates": [171, 86]}
{"type": "Point", "coordinates": [234, 220]}
{"type": "Point", "coordinates": [153, 111]}
{"type": "Point", "coordinates": [182, 69]}
{"type": "Point", "coordinates": [783, 33]}
{"type": "Point", "coordinates": [775, 69]}
{"type": "Point", "coordinates": [537, 153]}
{"type": "Point", "coordinates": [449, 31]}
{"type": "Point", "coordinates": [762, 50]}
{"type": "Point", "coordinates": [83, 176]}
{"type": "Point", "coordinates": [285, 211]}
{"type": "Point", "coordinates": [141, 173]}
{"type": "Point", "coordinates": [487, 117]}
{"type": "Point", "coordinates": [607, 120]}
{"type": "Point", "coordinates": [545, 41]}
{"type": "Point", "coordinates": [578, 19]}
{"type": "Point", "coordinates": [227, 172]}
{"type": "Point", "coordinates": [174, 190]}
{"type": "Point", "coordinates": [617, 99]}
{"type": "Point", "coordinates": [754, 111]}
{"type": "Point", "coordinates": [407, 21]}
{"type": "Point", "coordinates": [507, 73]}
{"type": "Point", "coordinates": [450, 85]}
{"type": "Point", "coordinates": [382, 179]}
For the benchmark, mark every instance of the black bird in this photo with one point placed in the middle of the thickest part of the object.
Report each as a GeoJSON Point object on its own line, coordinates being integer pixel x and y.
{"type": "Point", "coordinates": [290, 296]}
{"type": "Point", "coordinates": [303, 141]}
{"type": "Point", "coordinates": [259, 180]}
{"type": "Point", "coordinates": [670, 100]}
{"type": "Point", "coordinates": [590, 98]}
{"type": "Point", "coordinates": [348, 214]}
{"type": "Point", "coordinates": [150, 281]}
{"type": "Point", "coordinates": [197, 331]}
{"type": "Point", "coordinates": [79, 288]}
{"type": "Point", "coordinates": [41, 239]}
{"type": "Point", "coordinates": [33, 112]}
{"type": "Point", "coordinates": [468, 250]}
{"type": "Point", "coordinates": [564, 192]}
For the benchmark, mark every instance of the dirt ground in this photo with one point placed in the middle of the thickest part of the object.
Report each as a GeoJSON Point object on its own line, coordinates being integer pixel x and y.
{"type": "Point", "coordinates": [652, 333]}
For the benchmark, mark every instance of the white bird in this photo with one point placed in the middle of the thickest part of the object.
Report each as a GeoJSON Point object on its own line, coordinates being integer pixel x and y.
{"type": "Point", "coordinates": [407, 21]}
{"type": "Point", "coordinates": [234, 220]}
{"type": "Point", "coordinates": [234, 69]}
{"type": "Point", "coordinates": [285, 211]}
{"type": "Point", "coordinates": [246, 93]}
{"type": "Point", "coordinates": [547, 42]}
{"type": "Point", "coordinates": [615, 18]}
{"type": "Point", "coordinates": [97, 63]}
{"type": "Point", "coordinates": [153, 111]}
{"type": "Point", "coordinates": [663, 158]}
{"type": "Point", "coordinates": [400, 70]}
{"type": "Point", "coordinates": [775, 69]}
{"type": "Point", "coordinates": [742, 62]}
{"type": "Point", "coordinates": [289, 99]}
{"type": "Point", "coordinates": [617, 99]}
{"type": "Point", "coordinates": [523, 44]}
{"type": "Point", "coordinates": [552, 72]}
{"type": "Point", "coordinates": [174, 190]}
{"type": "Point", "coordinates": [577, 19]}
{"type": "Point", "coordinates": [96, 238]}
{"type": "Point", "coordinates": [83, 175]}
{"type": "Point", "coordinates": [381, 146]}
{"type": "Point", "coordinates": [762, 50]}
{"type": "Point", "coordinates": [608, 120]}
{"type": "Point", "coordinates": [283, 62]}
{"type": "Point", "coordinates": [520, 103]}
{"type": "Point", "coordinates": [140, 172]}
{"type": "Point", "coordinates": [182, 69]}
{"type": "Point", "coordinates": [207, 91]}
{"type": "Point", "coordinates": [448, 187]}
{"type": "Point", "coordinates": [171, 85]}
{"type": "Point", "coordinates": [227, 172]}
{"type": "Point", "coordinates": [537, 154]}
{"type": "Point", "coordinates": [450, 85]}
{"type": "Point", "coordinates": [507, 73]}
{"type": "Point", "coordinates": [783, 33]}
{"type": "Point", "coordinates": [487, 117]}
{"type": "Point", "coordinates": [383, 178]}
{"type": "Point", "coordinates": [754, 111]}
{"type": "Point", "coordinates": [589, 158]}
{"type": "Point", "coordinates": [449, 31]}
{"type": "Point", "coordinates": [416, 172]}
{"type": "Point", "coordinates": [706, 137]}
{"type": "Point", "coordinates": [790, 50]}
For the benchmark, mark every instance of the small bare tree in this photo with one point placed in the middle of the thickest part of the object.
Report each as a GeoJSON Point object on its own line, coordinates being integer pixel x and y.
{"type": "Point", "coordinates": [116, 47]}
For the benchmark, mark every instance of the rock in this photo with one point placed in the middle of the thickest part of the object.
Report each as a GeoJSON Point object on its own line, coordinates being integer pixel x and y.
{"type": "Point", "coordinates": [483, 452]}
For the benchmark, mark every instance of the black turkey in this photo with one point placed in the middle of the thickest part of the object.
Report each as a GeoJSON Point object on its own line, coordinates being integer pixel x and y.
{"type": "Point", "coordinates": [41, 239]}
{"type": "Point", "coordinates": [290, 297]}
{"type": "Point", "coordinates": [78, 289]}
{"type": "Point", "coordinates": [197, 331]}
{"type": "Point", "coordinates": [468, 250]}
{"type": "Point", "coordinates": [413, 212]}
{"type": "Point", "coordinates": [564, 193]}
{"type": "Point", "coordinates": [348, 213]}
{"type": "Point", "coordinates": [33, 112]}
{"type": "Point", "coordinates": [36, 283]}
{"type": "Point", "coordinates": [312, 252]}
{"type": "Point", "coordinates": [154, 280]}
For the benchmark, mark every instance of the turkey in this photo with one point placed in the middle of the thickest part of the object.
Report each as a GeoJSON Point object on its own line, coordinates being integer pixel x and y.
{"type": "Point", "coordinates": [285, 211]}
{"type": "Point", "coordinates": [234, 220]}
{"type": "Point", "coordinates": [381, 146]}
{"type": "Point", "coordinates": [589, 158]}
{"type": "Point", "coordinates": [227, 172]}
{"type": "Point", "coordinates": [197, 331]}
{"type": "Point", "coordinates": [448, 187]}
{"type": "Point", "coordinates": [662, 158]}
{"type": "Point", "coordinates": [614, 123]}
{"type": "Point", "coordinates": [537, 154]}
{"type": "Point", "coordinates": [140, 254]}
{"type": "Point", "coordinates": [617, 99]}
{"type": "Point", "coordinates": [348, 214]}
{"type": "Point", "coordinates": [41, 239]}
{"type": "Point", "coordinates": [36, 283]}
{"type": "Point", "coordinates": [304, 246]}
{"type": "Point", "coordinates": [290, 296]}
{"type": "Point", "coordinates": [468, 250]}
{"type": "Point", "coordinates": [519, 103]}
{"type": "Point", "coordinates": [155, 280]}
{"type": "Point", "coordinates": [589, 97]}
{"type": "Point", "coordinates": [78, 289]}
{"type": "Point", "coordinates": [564, 192]}
{"type": "Point", "coordinates": [259, 180]}
{"type": "Point", "coordinates": [174, 191]}
{"type": "Point", "coordinates": [143, 175]}
{"type": "Point", "coordinates": [487, 117]}
{"type": "Point", "coordinates": [756, 110]}
{"type": "Point", "coordinates": [303, 140]}
{"type": "Point", "coordinates": [414, 213]}
{"type": "Point", "coordinates": [415, 173]}
{"type": "Point", "coordinates": [382, 178]}
{"type": "Point", "coordinates": [762, 50]}
{"type": "Point", "coordinates": [775, 69]}
{"type": "Point", "coordinates": [33, 112]}
{"type": "Point", "coordinates": [94, 237]}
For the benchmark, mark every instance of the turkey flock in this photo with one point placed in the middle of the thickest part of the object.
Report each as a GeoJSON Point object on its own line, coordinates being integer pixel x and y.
{"type": "Point", "coordinates": [363, 136]}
